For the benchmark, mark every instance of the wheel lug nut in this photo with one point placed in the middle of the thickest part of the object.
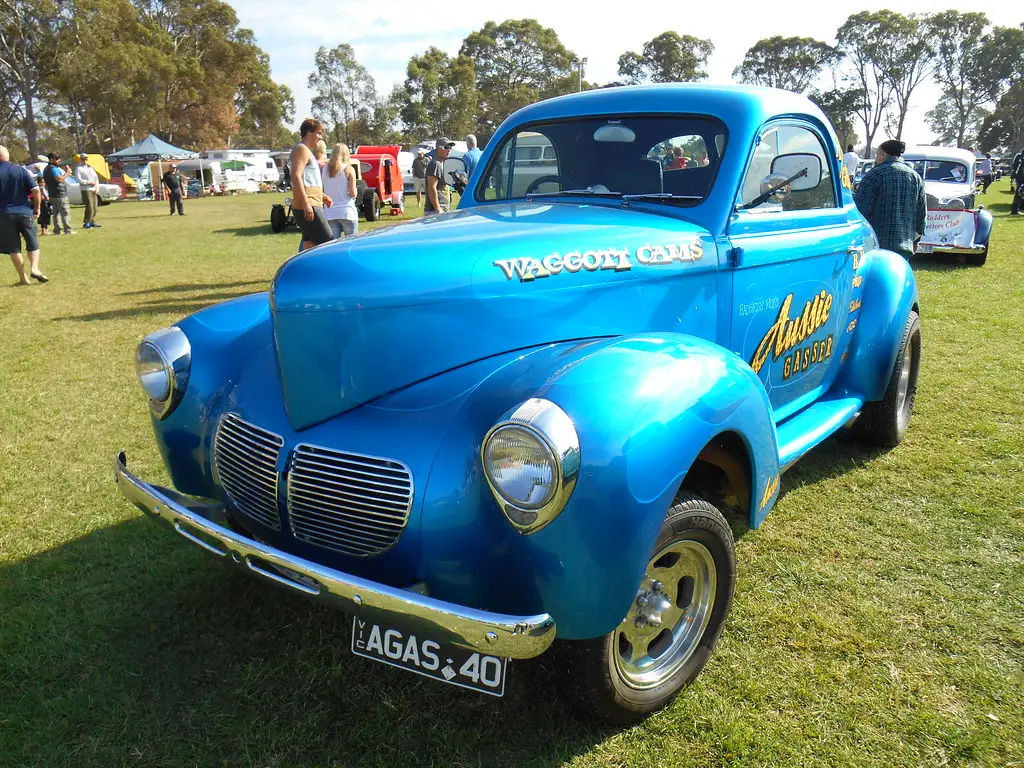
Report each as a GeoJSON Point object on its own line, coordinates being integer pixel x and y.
{"type": "Point", "coordinates": [656, 585]}
{"type": "Point", "coordinates": [643, 600]}
{"type": "Point", "coordinates": [640, 623]}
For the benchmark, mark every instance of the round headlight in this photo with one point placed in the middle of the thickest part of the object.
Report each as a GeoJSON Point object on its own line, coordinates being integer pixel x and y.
{"type": "Point", "coordinates": [154, 374]}
{"type": "Point", "coordinates": [521, 466]}
{"type": "Point", "coordinates": [531, 459]}
{"type": "Point", "coordinates": [162, 363]}
{"type": "Point", "coordinates": [955, 204]}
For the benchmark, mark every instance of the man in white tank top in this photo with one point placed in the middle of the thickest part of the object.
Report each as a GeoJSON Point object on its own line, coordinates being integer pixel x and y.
{"type": "Point", "coordinates": [308, 198]}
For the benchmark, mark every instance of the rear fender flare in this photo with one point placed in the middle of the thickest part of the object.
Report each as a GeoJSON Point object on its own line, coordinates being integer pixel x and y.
{"type": "Point", "coordinates": [983, 228]}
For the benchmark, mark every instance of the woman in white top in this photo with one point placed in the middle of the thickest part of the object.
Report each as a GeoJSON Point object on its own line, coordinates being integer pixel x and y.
{"type": "Point", "coordinates": [339, 179]}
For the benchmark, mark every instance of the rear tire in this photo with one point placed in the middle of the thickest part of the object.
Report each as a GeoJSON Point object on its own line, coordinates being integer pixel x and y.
{"type": "Point", "coordinates": [278, 219]}
{"type": "Point", "coordinates": [977, 259]}
{"type": "Point", "coordinates": [672, 626]}
{"type": "Point", "coordinates": [885, 422]}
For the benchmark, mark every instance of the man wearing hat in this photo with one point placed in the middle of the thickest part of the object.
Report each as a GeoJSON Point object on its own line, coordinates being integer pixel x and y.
{"type": "Point", "coordinates": [172, 183]}
{"type": "Point", "coordinates": [90, 182]}
{"type": "Point", "coordinates": [437, 190]}
{"type": "Point", "coordinates": [891, 197]}
{"type": "Point", "coordinates": [53, 177]}
{"type": "Point", "coordinates": [419, 174]}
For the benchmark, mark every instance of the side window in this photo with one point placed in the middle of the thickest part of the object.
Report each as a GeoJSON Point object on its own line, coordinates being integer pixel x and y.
{"type": "Point", "coordinates": [523, 160]}
{"type": "Point", "coordinates": [785, 140]}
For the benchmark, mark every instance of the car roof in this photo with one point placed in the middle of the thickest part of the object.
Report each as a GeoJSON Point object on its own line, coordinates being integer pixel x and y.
{"type": "Point", "coordinates": [940, 153]}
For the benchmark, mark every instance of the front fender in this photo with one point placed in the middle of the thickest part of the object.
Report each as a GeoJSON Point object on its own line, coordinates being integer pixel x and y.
{"type": "Point", "coordinates": [889, 293]}
{"type": "Point", "coordinates": [643, 406]}
{"type": "Point", "coordinates": [983, 227]}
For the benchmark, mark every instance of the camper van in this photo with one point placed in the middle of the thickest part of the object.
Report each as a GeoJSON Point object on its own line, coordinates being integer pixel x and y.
{"type": "Point", "coordinates": [259, 165]}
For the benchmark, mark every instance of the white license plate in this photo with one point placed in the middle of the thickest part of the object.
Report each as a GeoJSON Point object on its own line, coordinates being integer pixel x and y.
{"type": "Point", "coordinates": [925, 248]}
{"type": "Point", "coordinates": [441, 661]}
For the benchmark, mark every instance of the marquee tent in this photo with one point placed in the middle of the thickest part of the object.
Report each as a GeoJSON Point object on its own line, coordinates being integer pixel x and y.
{"type": "Point", "coordinates": [152, 149]}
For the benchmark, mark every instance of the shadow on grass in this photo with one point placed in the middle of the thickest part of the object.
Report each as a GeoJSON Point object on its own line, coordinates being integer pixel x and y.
{"type": "Point", "coordinates": [181, 287]}
{"type": "Point", "coordinates": [129, 647]}
{"type": "Point", "coordinates": [177, 305]}
{"type": "Point", "coordinates": [254, 231]}
{"type": "Point", "coordinates": [836, 456]}
{"type": "Point", "coordinates": [939, 262]}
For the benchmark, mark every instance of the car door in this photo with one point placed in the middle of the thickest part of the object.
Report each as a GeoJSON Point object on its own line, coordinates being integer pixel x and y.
{"type": "Point", "coordinates": [792, 260]}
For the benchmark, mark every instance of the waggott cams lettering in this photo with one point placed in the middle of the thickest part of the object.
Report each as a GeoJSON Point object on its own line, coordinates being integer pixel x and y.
{"type": "Point", "coordinates": [529, 268]}
{"type": "Point", "coordinates": [785, 334]}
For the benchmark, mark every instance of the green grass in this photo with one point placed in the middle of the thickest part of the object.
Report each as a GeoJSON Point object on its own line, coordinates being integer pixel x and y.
{"type": "Point", "coordinates": [877, 619]}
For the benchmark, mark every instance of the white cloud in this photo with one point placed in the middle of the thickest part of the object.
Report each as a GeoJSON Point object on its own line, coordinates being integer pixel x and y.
{"type": "Point", "coordinates": [384, 41]}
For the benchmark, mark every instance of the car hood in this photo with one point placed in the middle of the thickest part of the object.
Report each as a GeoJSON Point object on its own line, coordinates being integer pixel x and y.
{"type": "Point", "coordinates": [361, 317]}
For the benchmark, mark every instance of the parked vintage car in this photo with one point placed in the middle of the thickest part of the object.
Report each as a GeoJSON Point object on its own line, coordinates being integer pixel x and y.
{"type": "Point", "coordinates": [379, 166]}
{"type": "Point", "coordinates": [108, 193]}
{"type": "Point", "coordinates": [529, 418]}
{"type": "Point", "coordinates": [862, 167]}
{"type": "Point", "coordinates": [954, 225]}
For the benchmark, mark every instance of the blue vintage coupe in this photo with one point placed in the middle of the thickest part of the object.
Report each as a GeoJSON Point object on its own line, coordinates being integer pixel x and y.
{"type": "Point", "coordinates": [529, 419]}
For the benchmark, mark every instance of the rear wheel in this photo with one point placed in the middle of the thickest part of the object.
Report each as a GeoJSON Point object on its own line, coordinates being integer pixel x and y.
{"type": "Point", "coordinates": [278, 219]}
{"type": "Point", "coordinates": [885, 422]}
{"type": "Point", "coordinates": [673, 624]}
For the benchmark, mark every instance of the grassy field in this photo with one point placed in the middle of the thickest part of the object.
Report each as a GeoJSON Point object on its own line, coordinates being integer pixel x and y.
{"type": "Point", "coordinates": [877, 621]}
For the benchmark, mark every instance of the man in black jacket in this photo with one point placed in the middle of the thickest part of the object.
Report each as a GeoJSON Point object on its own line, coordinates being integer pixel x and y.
{"type": "Point", "coordinates": [1017, 174]}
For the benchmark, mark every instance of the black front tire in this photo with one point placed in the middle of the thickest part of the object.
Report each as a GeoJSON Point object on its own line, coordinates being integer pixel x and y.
{"type": "Point", "coordinates": [677, 618]}
{"type": "Point", "coordinates": [885, 422]}
{"type": "Point", "coordinates": [278, 219]}
{"type": "Point", "coordinates": [371, 205]}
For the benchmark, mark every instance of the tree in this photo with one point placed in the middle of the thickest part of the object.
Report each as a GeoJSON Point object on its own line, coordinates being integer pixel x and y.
{"type": "Point", "coordinates": [439, 97]}
{"type": "Point", "coordinates": [790, 63]}
{"type": "Point", "coordinates": [840, 107]}
{"type": "Point", "coordinates": [28, 32]}
{"type": "Point", "coordinates": [668, 58]}
{"type": "Point", "coordinates": [263, 105]}
{"type": "Point", "coordinates": [901, 50]}
{"type": "Point", "coordinates": [855, 39]}
{"type": "Point", "coordinates": [516, 63]}
{"type": "Point", "coordinates": [345, 90]}
{"type": "Point", "coordinates": [963, 68]}
{"type": "Point", "coordinates": [1004, 128]}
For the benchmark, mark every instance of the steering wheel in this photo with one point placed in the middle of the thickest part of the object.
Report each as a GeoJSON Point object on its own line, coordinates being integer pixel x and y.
{"type": "Point", "coordinates": [551, 177]}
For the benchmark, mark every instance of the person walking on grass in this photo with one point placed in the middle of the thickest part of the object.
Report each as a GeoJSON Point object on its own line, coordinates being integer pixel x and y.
{"type": "Point", "coordinates": [172, 183]}
{"type": "Point", "coordinates": [53, 177]}
{"type": "Point", "coordinates": [891, 197]}
{"type": "Point", "coordinates": [20, 199]}
{"type": "Point", "coordinates": [90, 183]}
{"type": "Point", "coordinates": [308, 198]}
{"type": "Point", "coordinates": [339, 182]}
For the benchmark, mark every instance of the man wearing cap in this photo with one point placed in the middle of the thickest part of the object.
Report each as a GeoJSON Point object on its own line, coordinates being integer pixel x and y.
{"type": "Point", "coordinates": [437, 190]}
{"type": "Point", "coordinates": [172, 183]}
{"type": "Point", "coordinates": [419, 174]}
{"type": "Point", "coordinates": [891, 197]}
{"type": "Point", "coordinates": [53, 177]}
{"type": "Point", "coordinates": [90, 182]}
{"type": "Point", "coordinates": [19, 206]}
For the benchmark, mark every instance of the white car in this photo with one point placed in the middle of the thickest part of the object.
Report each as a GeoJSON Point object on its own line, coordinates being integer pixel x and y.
{"type": "Point", "coordinates": [948, 173]}
{"type": "Point", "coordinates": [109, 193]}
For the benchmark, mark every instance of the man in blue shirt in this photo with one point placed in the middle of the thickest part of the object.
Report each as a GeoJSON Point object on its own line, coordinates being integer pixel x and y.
{"type": "Point", "coordinates": [891, 197]}
{"type": "Point", "coordinates": [20, 200]}
{"type": "Point", "coordinates": [472, 156]}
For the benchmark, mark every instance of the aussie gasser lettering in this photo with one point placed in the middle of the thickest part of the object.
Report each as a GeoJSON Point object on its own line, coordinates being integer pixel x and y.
{"type": "Point", "coordinates": [528, 268]}
{"type": "Point", "coordinates": [770, 488]}
{"type": "Point", "coordinates": [786, 333]}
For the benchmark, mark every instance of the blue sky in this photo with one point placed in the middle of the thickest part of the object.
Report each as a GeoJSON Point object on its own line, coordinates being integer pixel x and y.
{"type": "Point", "coordinates": [386, 34]}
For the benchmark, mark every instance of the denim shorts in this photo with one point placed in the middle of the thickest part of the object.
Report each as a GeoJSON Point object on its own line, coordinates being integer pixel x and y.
{"type": "Point", "coordinates": [14, 227]}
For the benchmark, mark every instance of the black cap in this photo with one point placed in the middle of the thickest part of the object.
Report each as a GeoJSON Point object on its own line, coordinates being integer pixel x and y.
{"type": "Point", "coordinates": [893, 147]}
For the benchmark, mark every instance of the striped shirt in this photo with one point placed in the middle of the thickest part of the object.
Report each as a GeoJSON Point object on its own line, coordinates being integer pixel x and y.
{"type": "Point", "coordinates": [891, 197]}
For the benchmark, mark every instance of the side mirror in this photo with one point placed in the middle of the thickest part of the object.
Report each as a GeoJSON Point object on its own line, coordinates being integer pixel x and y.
{"type": "Point", "coordinates": [452, 165]}
{"type": "Point", "coordinates": [803, 170]}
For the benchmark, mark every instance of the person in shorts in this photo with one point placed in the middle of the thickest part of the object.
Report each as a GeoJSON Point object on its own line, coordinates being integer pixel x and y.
{"type": "Point", "coordinates": [419, 175]}
{"type": "Point", "coordinates": [20, 199]}
{"type": "Point", "coordinates": [308, 198]}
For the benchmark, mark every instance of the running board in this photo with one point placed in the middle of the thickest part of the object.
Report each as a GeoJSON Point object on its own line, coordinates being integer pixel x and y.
{"type": "Point", "coordinates": [800, 433]}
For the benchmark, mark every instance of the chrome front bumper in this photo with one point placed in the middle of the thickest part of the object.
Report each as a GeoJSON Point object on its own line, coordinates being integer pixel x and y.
{"type": "Point", "coordinates": [497, 634]}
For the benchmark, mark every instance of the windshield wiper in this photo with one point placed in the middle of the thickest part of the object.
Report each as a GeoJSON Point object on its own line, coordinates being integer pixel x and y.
{"type": "Point", "coordinates": [571, 192]}
{"type": "Point", "coordinates": [661, 196]}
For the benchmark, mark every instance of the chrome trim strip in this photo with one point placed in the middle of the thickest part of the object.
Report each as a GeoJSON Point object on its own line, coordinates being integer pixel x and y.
{"type": "Point", "coordinates": [497, 634]}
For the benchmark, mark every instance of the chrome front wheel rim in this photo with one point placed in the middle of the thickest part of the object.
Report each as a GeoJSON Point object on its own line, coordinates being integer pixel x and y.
{"type": "Point", "coordinates": [671, 610]}
{"type": "Point", "coordinates": [904, 384]}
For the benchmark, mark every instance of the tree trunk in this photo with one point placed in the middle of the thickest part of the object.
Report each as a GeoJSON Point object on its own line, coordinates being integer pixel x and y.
{"type": "Point", "coordinates": [31, 132]}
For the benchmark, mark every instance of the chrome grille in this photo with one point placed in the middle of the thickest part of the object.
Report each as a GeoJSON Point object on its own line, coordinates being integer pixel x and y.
{"type": "Point", "coordinates": [354, 504]}
{"type": "Point", "coordinates": [245, 458]}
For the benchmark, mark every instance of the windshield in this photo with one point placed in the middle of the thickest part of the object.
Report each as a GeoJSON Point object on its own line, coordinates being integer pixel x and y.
{"type": "Point", "coordinates": [670, 159]}
{"type": "Point", "coordinates": [939, 170]}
